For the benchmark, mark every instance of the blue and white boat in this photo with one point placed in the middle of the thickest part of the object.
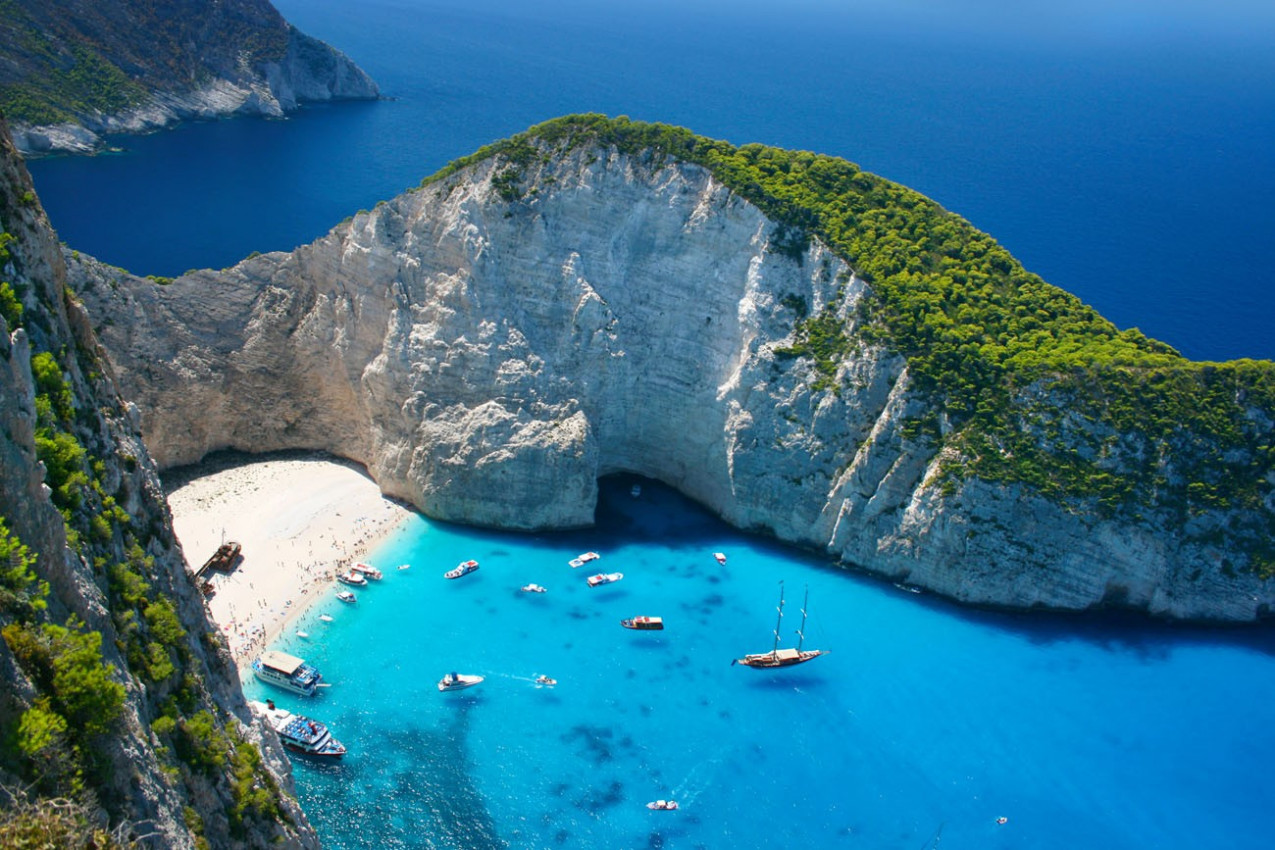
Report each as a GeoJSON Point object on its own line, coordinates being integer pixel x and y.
{"type": "Point", "coordinates": [300, 733]}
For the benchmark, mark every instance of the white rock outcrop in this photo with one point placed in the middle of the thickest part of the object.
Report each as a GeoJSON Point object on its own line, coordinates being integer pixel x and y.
{"type": "Point", "coordinates": [488, 359]}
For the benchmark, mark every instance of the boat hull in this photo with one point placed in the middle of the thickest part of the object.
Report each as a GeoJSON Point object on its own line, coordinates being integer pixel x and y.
{"type": "Point", "coordinates": [644, 624]}
{"type": "Point", "coordinates": [780, 658]}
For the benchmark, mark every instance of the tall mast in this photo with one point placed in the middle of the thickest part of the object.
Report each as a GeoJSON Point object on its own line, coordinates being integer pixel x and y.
{"type": "Point", "coordinates": [780, 618]}
{"type": "Point", "coordinates": [801, 632]}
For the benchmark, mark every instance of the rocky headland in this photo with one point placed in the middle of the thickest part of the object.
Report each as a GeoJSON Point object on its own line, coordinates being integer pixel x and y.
{"type": "Point", "coordinates": [118, 697]}
{"type": "Point", "coordinates": [599, 296]}
{"type": "Point", "coordinates": [71, 73]}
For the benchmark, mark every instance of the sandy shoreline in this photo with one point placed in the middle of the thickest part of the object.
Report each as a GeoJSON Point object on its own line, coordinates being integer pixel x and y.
{"type": "Point", "coordinates": [299, 520]}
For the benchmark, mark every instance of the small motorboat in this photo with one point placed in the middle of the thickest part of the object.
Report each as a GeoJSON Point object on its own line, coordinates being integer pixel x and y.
{"type": "Point", "coordinates": [644, 624]}
{"type": "Point", "coordinates": [305, 635]}
{"type": "Point", "coordinates": [464, 568]}
{"type": "Point", "coordinates": [458, 682]}
{"type": "Point", "coordinates": [352, 578]}
{"type": "Point", "coordinates": [368, 571]}
{"type": "Point", "coordinates": [327, 618]}
{"type": "Point", "coordinates": [636, 490]}
{"type": "Point", "coordinates": [604, 578]}
{"type": "Point", "coordinates": [533, 588]}
{"type": "Point", "coordinates": [346, 597]}
{"type": "Point", "coordinates": [546, 681]}
{"type": "Point", "coordinates": [662, 805]}
{"type": "Point", "coordinates": [582, 559]}
{"type": "Point", "coordinates": [404, 566]}
{"type": "Point", "coordinates": [721, 557]}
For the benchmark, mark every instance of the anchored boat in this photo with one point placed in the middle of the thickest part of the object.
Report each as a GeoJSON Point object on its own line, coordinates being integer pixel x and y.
{"type": "Point", "coordinates": [299, 733]}
{"type": "Point", "coordinates": [288, 672]}
{"type": "Point", "coordinates": [783, 657]}
{"type": "Point", "coordinates": [644, 624]}
{"type": "Point", "coordinates": [604, 578]}
{"type": "Point", "coordinates": [368, 571]}
{"type": "Point", "coordinates": [458, 682]}
{"type": "Point", "coordinates": [464, 568]}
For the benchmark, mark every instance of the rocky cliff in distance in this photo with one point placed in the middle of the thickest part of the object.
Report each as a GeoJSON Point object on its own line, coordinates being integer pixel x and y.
{"type": "Point", "coordinates": [554, 311]}
{"type": "Point", "coordinates": [115, 688]}
{"type": "Point", "coordinates": [71, 72]}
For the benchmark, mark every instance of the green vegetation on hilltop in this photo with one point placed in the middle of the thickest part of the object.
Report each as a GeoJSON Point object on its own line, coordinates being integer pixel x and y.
{"type": "Point", "coordinates": [1033, 385]}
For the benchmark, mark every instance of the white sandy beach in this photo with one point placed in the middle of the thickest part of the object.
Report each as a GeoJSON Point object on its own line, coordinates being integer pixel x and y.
{"type": "Point", "coordinates": [300, 522]}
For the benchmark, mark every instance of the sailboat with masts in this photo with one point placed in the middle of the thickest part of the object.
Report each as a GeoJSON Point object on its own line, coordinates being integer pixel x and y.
{"type": "Point", "coordinates": [783, 657]}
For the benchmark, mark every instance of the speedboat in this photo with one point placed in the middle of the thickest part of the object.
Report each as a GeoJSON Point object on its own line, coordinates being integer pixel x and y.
{"type": "Point", "coordinates": [582, 559]}
{"type": "Point", "coordinates": [636, 490]}
{"type": "Point", "coordinates": [368, 571]}
{"type": "Point", "coordinates": [303, 635]}
{"type": "Point", "coordinates": [546, 681]}
{"type": "Point", "coordinates": [721, 557]}
{"type": "Point", "coordinates": [457, 682]}
{"type": "Point", "coordinates": [299, 733]}
{"type": "Point", "coordinates": [287, 672]}
{"type": "Point", "coordinates": [352, 578]}
{"type": "Point", "coordinates": [604, 578]}
{"type": "Point", "coordinates": [533, 588]}
{"type": "Point", "coordinates": [404, 566]}
{"type": "Point", "coordinates": [327, 618]}
{"type": "Point", "coordinates": [464, 568]}
{"type": "Point", "coordinates": [346, 597]}
{"type": "Point", "coordinates": [662, 805]}
{"type": "Point", "coordinates": [645, 624]}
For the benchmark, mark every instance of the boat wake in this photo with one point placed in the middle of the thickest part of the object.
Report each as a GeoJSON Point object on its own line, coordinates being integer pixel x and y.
{"type": "Point", "coordinates": [698, 779]}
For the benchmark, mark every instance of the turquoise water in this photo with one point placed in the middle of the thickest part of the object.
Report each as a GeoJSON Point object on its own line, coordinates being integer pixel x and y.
{"type": "Point", "coordinates": [923, 725]}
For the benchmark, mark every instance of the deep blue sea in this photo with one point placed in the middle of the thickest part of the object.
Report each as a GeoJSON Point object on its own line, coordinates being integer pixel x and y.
{"type": "Point", "coordinates": [924, 725]}
{"type": "Point", "coordinates": [1123, 150]}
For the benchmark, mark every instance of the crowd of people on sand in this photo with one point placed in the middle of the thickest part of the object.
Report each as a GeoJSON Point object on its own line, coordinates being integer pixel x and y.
{"type": "Point", "coordinates": [249, 631]}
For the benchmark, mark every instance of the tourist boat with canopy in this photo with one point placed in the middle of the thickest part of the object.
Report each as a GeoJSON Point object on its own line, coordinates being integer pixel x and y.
{"type": "Point", "coordinates": [368, 571]}
{"type": "Point", "coordinates": [300, 733]}
{"type": "Point", "coordinates": [783, 657]}
{"type": "Point", "coordinates": [346, 597]}
{"type": "Point", "coordinates": [604, 578]}
{"type": "Point", "coordinates": [352, 578]}
{"type": "Point", "coordinates": [583, 558]}
{"type": "Point", "coordinates": [287, 672]}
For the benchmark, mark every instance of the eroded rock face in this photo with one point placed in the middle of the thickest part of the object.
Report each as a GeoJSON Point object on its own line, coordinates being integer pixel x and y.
{"type": "Point", "coordinates": [141, 782]}
{"type": "Point", "coordinates": [489, 349]}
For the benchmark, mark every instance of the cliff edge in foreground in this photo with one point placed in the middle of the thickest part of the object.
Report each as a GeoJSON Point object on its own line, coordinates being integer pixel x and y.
{"type": "Point", "coordinates": [116, 691]}
{"type": "Point", "coordinates": [72, 72]}
{"type": "Point", "coordinates": [811, 351]}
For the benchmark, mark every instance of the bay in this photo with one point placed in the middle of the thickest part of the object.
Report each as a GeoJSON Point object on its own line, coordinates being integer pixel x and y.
{"type": "Point", "coordinates": [924, 723]}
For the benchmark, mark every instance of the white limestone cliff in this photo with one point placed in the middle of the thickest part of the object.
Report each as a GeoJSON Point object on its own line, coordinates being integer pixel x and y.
{"type": "Point", "coordinates": [488, 359]}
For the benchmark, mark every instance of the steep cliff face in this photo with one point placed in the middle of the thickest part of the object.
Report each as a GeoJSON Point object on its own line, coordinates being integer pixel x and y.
{"type": "Point", "coordinates": [492, 343]}
{"type": "Point", "coordinates": [114, 685]}
{"type": "Point", "coordinates": [71, 72]}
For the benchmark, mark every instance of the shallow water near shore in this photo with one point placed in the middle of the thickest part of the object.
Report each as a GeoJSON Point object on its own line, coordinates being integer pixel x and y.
{"type": "Point", "coordinates": [924, 725]}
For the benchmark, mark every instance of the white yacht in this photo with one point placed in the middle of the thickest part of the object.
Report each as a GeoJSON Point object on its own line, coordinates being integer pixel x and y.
{"type": "Point", "coordinates": [287, 672]}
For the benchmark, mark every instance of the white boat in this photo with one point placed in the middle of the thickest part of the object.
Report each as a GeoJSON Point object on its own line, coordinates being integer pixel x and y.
{"type": "Point", "coordinates": [533, 588]}
{"type": "Point", "coordinates": [604, 578]}
{"type": "Point", "coordinates": [464, 568]}
{"type": "Point", "coordinates": [547, 681]}
{"type": "Point", "coordinates": [662, 805]}
{"type": "Point", "coordinates": [352, 578]}
{"type": "Point", "coordinates": [783, 657]}
{"type": "Point", "coordinates": [584, 558]}
{"type": "Point", "coordinates": [404, 566]}
{"type": "Point", "coordinates": [458, 682]}
{"type": "Point", "coordinates": [368, 571]}
{"type": "Point", "coordinates": [721, 557]}
{"type": "Point", "coordinates": [287, 672]}
{"type": "Point", "coordinates": [299, 733]}
{"type": "Point", "coordinates": [327, 618]}
{"type": "Point", "coordinates": [305, 635]}
{"type": "Point", "coordinates": [346, 597]}
{"type": "Point", "coordinates": [636, 491]}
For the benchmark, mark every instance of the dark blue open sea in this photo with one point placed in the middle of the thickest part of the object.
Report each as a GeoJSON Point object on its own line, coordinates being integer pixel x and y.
{"type": "Point", "coordinates": [924, 725]}
{"type": "Point", "coordinates": [1123, 150]}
